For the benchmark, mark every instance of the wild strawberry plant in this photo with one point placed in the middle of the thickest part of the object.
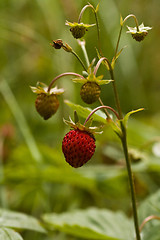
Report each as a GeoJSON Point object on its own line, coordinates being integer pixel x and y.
{"type": "Point", "coordinates": [79, 145]}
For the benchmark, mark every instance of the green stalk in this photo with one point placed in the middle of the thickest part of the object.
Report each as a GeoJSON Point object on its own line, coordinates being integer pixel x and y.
{"type": "Point", "coordinates": [118, 41]}
{"type": "Point", "coordinates": [125, 149]}
{"type": "Point", "coordinates": [83, 47]}
{"type": "Point", "coordinates": [135, 19]}
{"type": "Point", "coordinates": [97, 23]}
{"type": "Point", "coordinates": [131, 181]}
{"type": "Point", "coordinates": [128, 164]}
{"type": "Point", "coordinates": [76, 55]}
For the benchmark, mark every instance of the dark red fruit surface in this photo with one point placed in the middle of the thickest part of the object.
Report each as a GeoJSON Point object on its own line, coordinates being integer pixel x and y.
{"type": "Point", "coordinates": [78, 147]}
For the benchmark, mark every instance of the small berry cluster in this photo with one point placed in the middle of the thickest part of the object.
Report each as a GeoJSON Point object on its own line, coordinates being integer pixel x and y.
{"type": "Point", "coordinates": [78, 145]}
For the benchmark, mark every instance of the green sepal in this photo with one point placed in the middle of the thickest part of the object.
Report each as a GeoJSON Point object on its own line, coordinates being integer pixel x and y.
{"type": "Point", "coordinates": [116, 57]}
{"type": "Point", "coordinates": [76, 118]}
{"type": "Point", "coordinates": [121, 21]}
{"type": "Point", "coordinates": [43, 88]}
{"type": "Point", "coordinates": [97, 8]}
{"type": "Point", "coordinates": [79, 80]}
{"type": "Point", "coordinates": [81, 127]}
{"type": "Point", "coordinates": [74, 24]}
{"type": "Point", "coordinates": [89, 122]}
{"type": "Point", "coordinates": [102, 82]}
{"type": "Point", "coordinates": [92, 78]}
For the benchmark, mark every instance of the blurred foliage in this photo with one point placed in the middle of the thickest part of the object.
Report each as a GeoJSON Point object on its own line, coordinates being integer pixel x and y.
{"type": "Point", "coordinates": [34, 177]}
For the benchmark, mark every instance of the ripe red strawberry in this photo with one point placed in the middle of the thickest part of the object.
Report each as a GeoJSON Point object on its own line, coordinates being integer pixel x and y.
{"type": "Point", "coordinates": [46, 105]}
{"type": "Point", "coordinates": [78, 147]}
{"type": "Point", "coordinates": [90, 92]}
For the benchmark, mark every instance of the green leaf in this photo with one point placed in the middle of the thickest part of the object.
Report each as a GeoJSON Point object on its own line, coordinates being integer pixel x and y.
{"type": "Point", "coordinates": [84, 112]}
{"type": "Point", "coordinates": [19, 221]}
{"type": "Point", "coordinates": [92, 224]}
{"type": "Point", "coordinates": [9, 234]}
{"type": "Point", "coordinates": [125, 119]}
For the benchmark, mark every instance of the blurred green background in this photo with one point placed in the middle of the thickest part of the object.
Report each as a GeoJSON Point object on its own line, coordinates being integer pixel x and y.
{"type": "Point", "coordinates": [34, 176]}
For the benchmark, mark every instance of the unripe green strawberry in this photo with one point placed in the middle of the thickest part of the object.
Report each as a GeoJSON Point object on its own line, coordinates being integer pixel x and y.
{"type": "Point", "coordinates": [46, 102]}
{"type": "Point", "coordinates": [90, 92]}
{"type": "Point", "coordinates": [78, 147]}
{"type": "Point", "coordinates": [139, 36]}
{"type": "Point", "coordinates": [78, 31]}
{"type": "Point", "coordinates": [46, 105]}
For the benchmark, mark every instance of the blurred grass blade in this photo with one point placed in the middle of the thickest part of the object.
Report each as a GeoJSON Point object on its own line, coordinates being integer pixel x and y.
{"type": "Point", "coordinates": [21, 121]}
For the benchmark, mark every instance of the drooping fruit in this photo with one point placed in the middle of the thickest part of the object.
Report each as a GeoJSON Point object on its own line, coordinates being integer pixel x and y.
{"type": "Point", "coordinates": [90, 92]}
{"type": "Point", "coordinates": [47, 102]}
{"type": "Point", "coordinates": [46, 105]}
{"type": "Point", "coordinates": [78, 147]}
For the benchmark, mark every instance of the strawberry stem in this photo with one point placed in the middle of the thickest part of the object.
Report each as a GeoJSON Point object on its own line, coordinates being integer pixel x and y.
{"type": "Point", "coordinates": [63, 75]}
{"type": "Point", "coordinates": [82, 11]}
{"type": "Point", "coordinates": [98, 65]}
{"type": "Point", "coordinates": [98, 108]}
{"type": "Point", "coordinates": [149, 218]}
{"type": "Point", "coordinates": [135, 19]}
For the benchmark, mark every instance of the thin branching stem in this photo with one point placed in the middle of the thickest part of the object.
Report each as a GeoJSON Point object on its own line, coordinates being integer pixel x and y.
{"type": "Point", "coordinates": [118, 41]}
{"type": "Point", "coordinates": [82, 11]}
{"type": "Point", "coordinates": [131, 181]}
{"type": "Point", "coordinates": [106, 112]}
{"type": "Point", "coordinates": [63, 75]}
{"type": "Point", "coordinates": [149, 218]}
{"type": "Point", "coordinates": [79, 59]}
{"type": "Point", "coordinates": [135, 19]}
{"type": "Point", "coordinates": [83, 47]}
{"type": "Point", "coordinates": [98, 108]}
